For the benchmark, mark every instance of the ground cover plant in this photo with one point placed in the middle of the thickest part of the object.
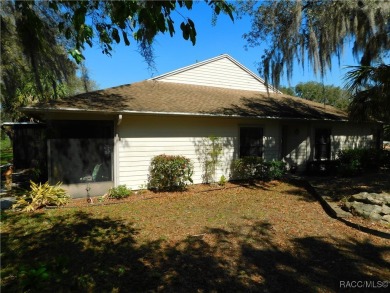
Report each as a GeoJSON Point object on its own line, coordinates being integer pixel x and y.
{"type": "Point", "coordinates": [6, 151]}
{"type": "Point", "coordinates": [269, 237]}
{"type": "Point", "coordinates": [119, 192]}
{"type": "Point", "coordinates": [40, 196]}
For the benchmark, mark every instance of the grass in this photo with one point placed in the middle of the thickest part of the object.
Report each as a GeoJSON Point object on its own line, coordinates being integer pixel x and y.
{"type": "Point", "coordinates": [271, 238]}
{"type": "Point", "coordinates": [6, 151]}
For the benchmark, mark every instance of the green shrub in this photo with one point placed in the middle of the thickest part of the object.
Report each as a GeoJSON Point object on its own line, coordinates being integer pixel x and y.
{"type": "Point", "coordinates": [33, 279]}
{"type": "Point", "coordinates": [222, 181]}
{"type": "Point", "coordinates": [169, 173]}
{"type": "Point", "coordinates": [251, 168]}
{"type": "Point", "coordinates": [119, 192]}
{"type": "Point", "coordinates": [275, 170]}
{"type": "Point", "coordinates": [353, 162]}
{"type": "Point", "coordinates": [42, 195]}
{"type": "Point", "coordinates": [248, 168]}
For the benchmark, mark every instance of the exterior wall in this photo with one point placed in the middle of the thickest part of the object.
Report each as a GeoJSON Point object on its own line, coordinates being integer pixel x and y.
{"type": "Point", "coordinates": [295, 145]}
{"type": "Point", "coordinates": [345, 135]}
{"type": "Point", "coordinates": [351, 136]}
{"type": "Point", "coordinates": [140, 138]}
{"type": "Point", "coordinates": [219, 73]}
{"type": "Point", "coordinates": [298, 139]}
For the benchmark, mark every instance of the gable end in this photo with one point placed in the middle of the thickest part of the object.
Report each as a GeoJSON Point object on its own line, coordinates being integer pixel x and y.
{"type": "Point", "coordinates": [222, 71]}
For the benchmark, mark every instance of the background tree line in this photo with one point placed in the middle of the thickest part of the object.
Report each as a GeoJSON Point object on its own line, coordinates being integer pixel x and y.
{"type": "Point", "coordinates": [318, 92]}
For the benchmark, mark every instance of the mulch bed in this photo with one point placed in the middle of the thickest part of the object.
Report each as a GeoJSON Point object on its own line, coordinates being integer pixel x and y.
{"type": "Point", "coordinates": [147, 195]}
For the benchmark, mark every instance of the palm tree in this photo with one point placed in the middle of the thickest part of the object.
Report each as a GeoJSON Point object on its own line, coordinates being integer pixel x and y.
{"type": "Point", "coordinates": [370, 90]}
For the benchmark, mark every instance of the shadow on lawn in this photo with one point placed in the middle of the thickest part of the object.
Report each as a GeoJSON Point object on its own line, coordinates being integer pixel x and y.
{"type": "Point", "coordinates": [80, 253]}
{"type": "Point", "coordinates": [339, 187]}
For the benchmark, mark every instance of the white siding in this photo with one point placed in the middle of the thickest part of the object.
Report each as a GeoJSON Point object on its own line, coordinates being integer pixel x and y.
{"type": "Point", "coordinates": [141, 138]}
{"type": "Point", "coordinates": [218, 73]}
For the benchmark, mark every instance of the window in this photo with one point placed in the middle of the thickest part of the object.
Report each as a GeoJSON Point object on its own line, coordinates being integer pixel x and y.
{"type": "Point", "coordinates": [251, 141]}
{"type": "Point", "coordinates": [322, 144]}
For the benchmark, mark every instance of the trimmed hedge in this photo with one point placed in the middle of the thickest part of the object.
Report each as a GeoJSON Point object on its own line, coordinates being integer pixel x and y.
{"type": "Point", "coordinates": [170, 173]}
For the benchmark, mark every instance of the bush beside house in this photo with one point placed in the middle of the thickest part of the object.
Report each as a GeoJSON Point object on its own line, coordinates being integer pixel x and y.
{"type": "Point", "coordinates": [170, 173]}
{"type": "Point", "coordinates": [251, 168]}
{"type": "Point", "coordinates": [352, 162]}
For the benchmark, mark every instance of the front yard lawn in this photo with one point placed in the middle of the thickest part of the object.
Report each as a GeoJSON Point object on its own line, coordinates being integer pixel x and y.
{"type": "Point", "coordinates": [274, 237]}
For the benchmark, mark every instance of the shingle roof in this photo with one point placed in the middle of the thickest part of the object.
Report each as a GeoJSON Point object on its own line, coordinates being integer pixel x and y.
{"type": "Point", "coordinates": [183, 99]}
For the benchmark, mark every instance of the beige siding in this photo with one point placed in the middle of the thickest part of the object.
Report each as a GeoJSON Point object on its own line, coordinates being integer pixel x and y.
{"type": "Point", "coordinates": [219, 73]}
{"type": "Point", "coordinates": [271, 141]}
{"type": "Point", "coordinates": [345, 135]}
{"type": "Point", "coordinates": [351, 136]}
{"type": "Point", "coordinates": [141, 138]}
{"type": "Point", "coordinates": [295, 143]}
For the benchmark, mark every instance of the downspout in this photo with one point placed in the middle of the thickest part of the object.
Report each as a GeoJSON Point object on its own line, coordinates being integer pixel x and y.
{"type": "Point", "coordinates": [116, 151]}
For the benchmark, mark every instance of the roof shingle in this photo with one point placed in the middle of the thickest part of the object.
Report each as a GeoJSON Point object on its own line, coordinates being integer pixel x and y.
{"type": "Point", "coordinates": [184, 99]}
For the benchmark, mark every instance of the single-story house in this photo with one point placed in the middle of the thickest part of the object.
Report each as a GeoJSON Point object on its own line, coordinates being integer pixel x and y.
{"type": "Point", "coordinates": [108, 137]}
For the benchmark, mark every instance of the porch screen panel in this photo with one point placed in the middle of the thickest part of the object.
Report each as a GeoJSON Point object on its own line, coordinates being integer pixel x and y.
{"type": "Point", "coordinates": [81, 151]}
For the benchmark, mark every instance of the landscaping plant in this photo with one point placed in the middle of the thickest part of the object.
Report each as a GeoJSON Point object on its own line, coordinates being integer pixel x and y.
{"type": "Point", "coordinates": [352, 162]}
{"type": "Point", "coordinates": [169, 173]}
{"type": "Point", "coordinates": [275, 170]}
{"type": "Point", "coordinates": [222, 181]}
{"type": "Point", "coordinates": [251, 168]}
{"type": "Point", "coordinates": [214, 150]}
{"type": "Point", "coordinates": [119, 192]}
{"type": "Point", "coordinates": [42, 195]}
{"type": "Point", "coordinates": [248, 168]}
{"type": "Point", "coordinates": [210, 150]}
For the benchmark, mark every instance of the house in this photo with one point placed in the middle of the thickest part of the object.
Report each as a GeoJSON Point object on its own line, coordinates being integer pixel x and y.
{"type": "Point", "coordinates": [108, 137]}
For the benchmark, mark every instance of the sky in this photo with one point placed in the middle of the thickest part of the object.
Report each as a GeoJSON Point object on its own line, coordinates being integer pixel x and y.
{"type": "Point", "coordinates": [127, 66]}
